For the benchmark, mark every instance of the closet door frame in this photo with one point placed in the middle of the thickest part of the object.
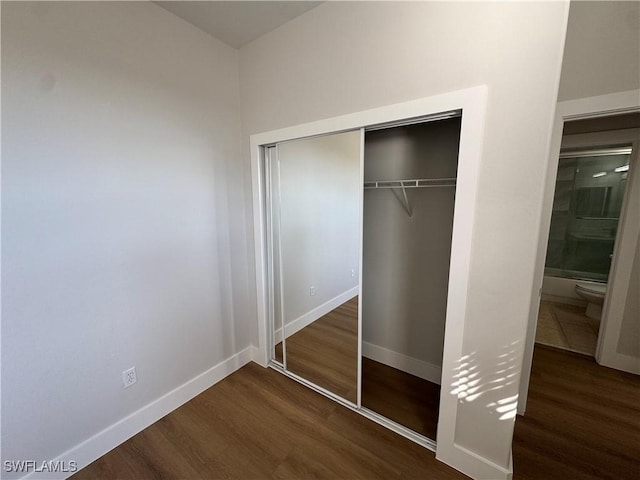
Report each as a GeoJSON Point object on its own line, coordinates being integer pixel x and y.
{"type": "Point", "coordinates": [472, 103]}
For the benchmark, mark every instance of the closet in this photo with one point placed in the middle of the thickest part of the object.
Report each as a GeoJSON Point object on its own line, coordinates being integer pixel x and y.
{"type": "Point", "coordinates": [409, 193]}
{"type": "Point", "coordinates": [358, 239]}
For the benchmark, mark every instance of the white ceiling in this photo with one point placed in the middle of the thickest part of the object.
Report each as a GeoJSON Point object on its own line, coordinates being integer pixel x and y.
{"type": "Point", "coordinates": [237, 22]}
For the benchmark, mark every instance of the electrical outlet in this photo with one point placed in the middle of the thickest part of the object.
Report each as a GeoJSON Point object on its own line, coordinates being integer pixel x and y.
{"type": "Point", "coordinates": [312, 291]}
{"type": "Point", "coordinates": [353, 272]}
{"type": "Point", "coordinates": [129, 377]}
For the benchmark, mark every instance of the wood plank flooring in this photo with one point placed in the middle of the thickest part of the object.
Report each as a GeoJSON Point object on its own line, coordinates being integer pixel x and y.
{"type": "Point", "coordinates": [259, 424]}
{"type": "Point", "coordinates": [401, 397]}
{"type": "Point", "coordinates": [325, 352]}
{"type": "Point", "coordinates": [582, 421]}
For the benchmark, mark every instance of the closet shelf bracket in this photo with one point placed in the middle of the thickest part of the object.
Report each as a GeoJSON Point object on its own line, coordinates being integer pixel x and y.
{"type": "Point", "coordinates": [405, 202]}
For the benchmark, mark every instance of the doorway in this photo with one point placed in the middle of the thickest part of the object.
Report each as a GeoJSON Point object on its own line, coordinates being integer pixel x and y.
{"type": "Point", "coordinates": [590, 191]}
{"type": "Point", "coordinates": [583, 113]}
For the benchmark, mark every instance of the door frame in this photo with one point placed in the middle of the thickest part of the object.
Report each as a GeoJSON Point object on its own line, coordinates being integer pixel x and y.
{"type": "Point", "coordinates": [583, 108]}
{"type": "Point", "coordinates": [472, 102]}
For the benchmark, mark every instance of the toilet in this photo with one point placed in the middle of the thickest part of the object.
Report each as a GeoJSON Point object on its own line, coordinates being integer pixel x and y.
{"type": "Point", "coordinates": [594, 294]}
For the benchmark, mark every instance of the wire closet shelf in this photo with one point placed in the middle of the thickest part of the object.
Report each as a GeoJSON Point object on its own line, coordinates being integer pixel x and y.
{"type": "Point", "coordinates": [413, 183]}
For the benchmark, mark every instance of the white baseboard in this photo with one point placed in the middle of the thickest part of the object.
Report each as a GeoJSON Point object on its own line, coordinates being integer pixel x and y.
{"type": "Point", "coordinates": [258, 356]}
{"type": "Point", "coordinates": [313, 315]}
{"type": "Point", "coordinates": [102, 442]}
{"type": "Point", "coordinates": [474, 465]}
{"type": "Point", "coordinates": [414, 366]}
{"type": "Point", "coordinates": [619, 361]}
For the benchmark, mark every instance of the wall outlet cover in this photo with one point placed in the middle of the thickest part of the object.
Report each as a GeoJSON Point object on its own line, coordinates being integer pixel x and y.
{"type": "Point", "coordinates": [129, 377]}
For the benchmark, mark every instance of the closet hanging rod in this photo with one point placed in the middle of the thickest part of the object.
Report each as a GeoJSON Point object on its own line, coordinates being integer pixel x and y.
{"type": "Point", "coordinates": [413, 183]}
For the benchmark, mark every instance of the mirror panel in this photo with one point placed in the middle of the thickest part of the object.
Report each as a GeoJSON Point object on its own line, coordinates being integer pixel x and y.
{"type": "Point", "coordinates": [317, 234]}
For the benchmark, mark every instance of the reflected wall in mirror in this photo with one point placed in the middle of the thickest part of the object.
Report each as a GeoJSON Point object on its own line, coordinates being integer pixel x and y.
{"type": "Point", "coordinates": [316, 196]}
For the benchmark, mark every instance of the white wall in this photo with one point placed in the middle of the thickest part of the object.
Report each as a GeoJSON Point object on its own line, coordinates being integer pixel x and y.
{"type": "Point", "coordinates": [320, 220]}
{"type": "Point", "coordinates": [629, 340]}
{"type": "Point", "coordinates": [347, 57]}
{"type": "Point", "coordinates": [602, 50]}
{"type": "Point", "coordinates": [406, 259]}
{"type": "Point", "coordinates": [120, 147]}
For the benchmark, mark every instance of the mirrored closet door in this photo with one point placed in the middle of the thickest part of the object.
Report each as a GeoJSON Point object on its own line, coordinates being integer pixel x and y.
{"type": "Point", "coordinates": [383, 196]}
{"type": "Point", "coordinates": [314, 213]}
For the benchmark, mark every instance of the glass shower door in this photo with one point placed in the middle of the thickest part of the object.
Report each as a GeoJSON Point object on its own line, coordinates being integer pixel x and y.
{"type": "Point", "coordinates": [590, 189]}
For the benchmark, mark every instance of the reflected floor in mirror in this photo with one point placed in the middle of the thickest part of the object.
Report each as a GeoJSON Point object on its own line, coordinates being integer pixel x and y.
{"type": "Point", "coordinates": [406, 399]}
{"type": "Point", "coordinates": [326, 351]}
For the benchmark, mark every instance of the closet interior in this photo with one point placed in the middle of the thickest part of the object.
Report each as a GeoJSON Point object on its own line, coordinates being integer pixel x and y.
{"type": "Point", "coordinates": [406, 250]}
{"type": "Point", "coordinates": [358, 237]}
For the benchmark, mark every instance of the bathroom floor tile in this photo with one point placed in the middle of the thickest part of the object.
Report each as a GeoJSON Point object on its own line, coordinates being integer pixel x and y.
{"type": "Point", "coordinates": [566, 326]}
{"type": "Point", "coordinates": [595, 325]}
{"type": "Point", "coordinates": [569, 314]}
{"type": "Point", "coordinates": [548, 331]}
{"type": "Point", "coordinates": [580, 337]}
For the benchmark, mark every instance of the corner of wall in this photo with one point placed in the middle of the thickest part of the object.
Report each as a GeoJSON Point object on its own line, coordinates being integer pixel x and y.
{"type": "Point", "coordinates": [98, 445]}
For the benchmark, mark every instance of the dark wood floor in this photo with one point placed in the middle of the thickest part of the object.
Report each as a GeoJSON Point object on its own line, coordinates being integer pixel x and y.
{"type": "Point", "coordinates": [401, 397]}
{"type": "Point", "coordinates": [582, 421]}
{"type": "Point", "coordinates": [326, 351]}
{"type": "Point", "coordinates": [259, 424]}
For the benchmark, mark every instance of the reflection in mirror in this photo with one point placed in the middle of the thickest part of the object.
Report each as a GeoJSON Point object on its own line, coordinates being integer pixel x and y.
{"type": "Point", "coordinates": [317, 236]}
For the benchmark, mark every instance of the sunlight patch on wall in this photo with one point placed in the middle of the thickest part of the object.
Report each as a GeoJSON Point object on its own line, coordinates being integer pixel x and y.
{"type": "Point", "coordinates": [470, 384]}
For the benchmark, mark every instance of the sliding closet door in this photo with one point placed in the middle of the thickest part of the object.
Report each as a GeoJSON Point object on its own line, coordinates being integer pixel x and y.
{"type": "Point", "coordinates": [317, 243]}
{"type": "Point", "coordinates": [410, 177]}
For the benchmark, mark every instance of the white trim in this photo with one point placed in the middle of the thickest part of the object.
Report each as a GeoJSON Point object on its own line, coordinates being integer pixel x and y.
{"type": "Point", "coordinates": [472, 102]}
{"type": "Point", "coordinates": [603, 105]}
{"type": "Point", "coordinates": [256, 355]}
{"type": "Point", "coordinates": [477, 467]}
{"type": "Point", "coordinates": [353, 121]}
{"type": "Point", "coordinates": [399, 429]}
{"type": "Point", "coordinates": [623, 362]}
{"type": "Point", "coordinates": [102, 442]}
{"type": "Point", "coordinates": [624, 252]}
{"type": "Point", "coordinates": [360, 261]}
{"type": "Point", "coordinates": [259, 223]}
{"type": "Point", "coordinates": [414, 366]}
{"type": "Point", "coordinates": [471, 142]}
{"type": "Point", "coordinates": [313, 315]}
{"type": "Point", "coordinates": [617, 103]}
